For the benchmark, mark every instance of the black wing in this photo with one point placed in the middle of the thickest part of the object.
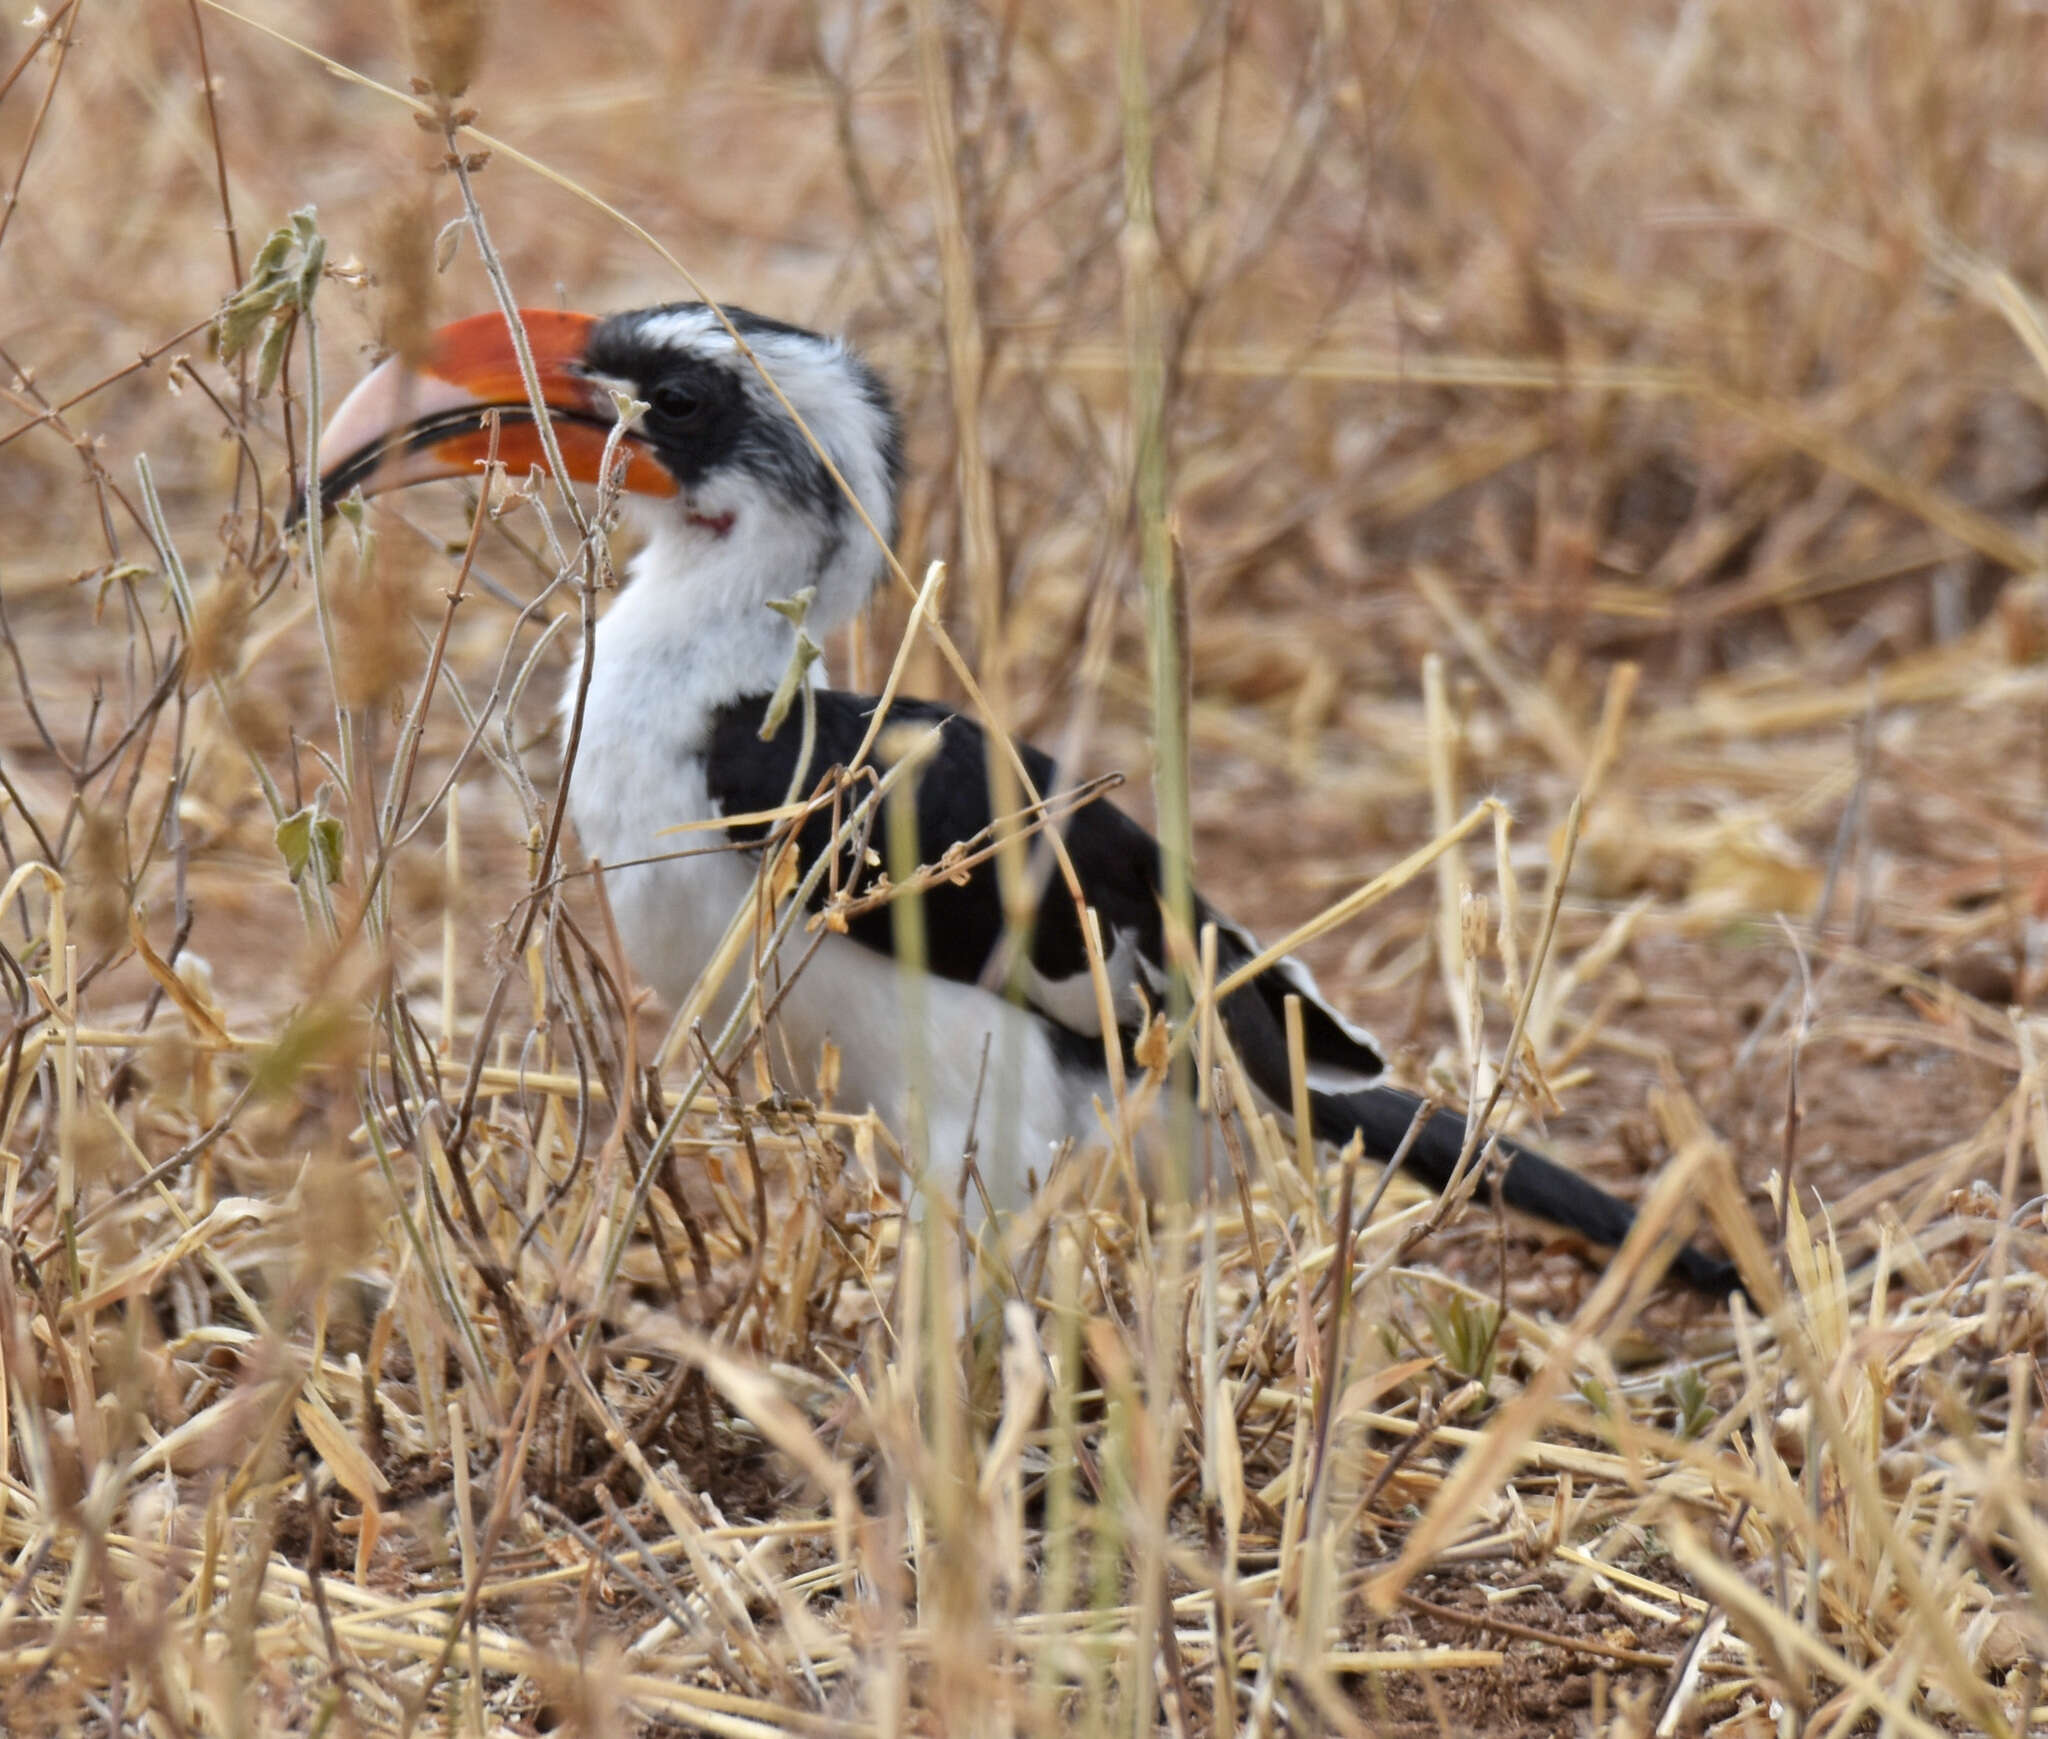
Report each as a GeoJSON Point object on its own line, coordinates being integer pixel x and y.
{"type": "Point", "coordinates": [1115, 860]}
{"type": "Point", "coordinates": [1117, 864]}
{"type": "Point", "coordinates": [963, 918]}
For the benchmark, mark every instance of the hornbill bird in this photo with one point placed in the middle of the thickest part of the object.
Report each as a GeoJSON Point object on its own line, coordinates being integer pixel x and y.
{"type": "Point", "coordinates": [739, 510]}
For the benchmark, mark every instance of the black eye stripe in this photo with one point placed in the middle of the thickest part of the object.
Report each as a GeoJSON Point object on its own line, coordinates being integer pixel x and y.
{"type": "Point", "coordinates": [735, 428]}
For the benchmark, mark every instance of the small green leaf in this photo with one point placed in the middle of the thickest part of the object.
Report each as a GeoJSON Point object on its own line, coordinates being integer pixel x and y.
{"type": "Point", "coordinates": [1687, 1392]}
{"type": "Point", "coordinates": [807, 653]}
{"type": "Point", "coordinates": [295, 842]}
{"type": "Point", "coordinates": [280, 287]}
{"type": "Point", "coordinates": [1467, 1334]}
{"type": "Point", "coordinates": [796, 610]}
{"type": "Point", "coordinates": [309, 838]}
{"type": "Point", "coordinates": [270, 364]}
{"type": "Point", "coordinates": [327, 842]}
{"type": "Point", "coordinates": [270, 256]}
{"type": "Point", "coordinates": [312, 261]}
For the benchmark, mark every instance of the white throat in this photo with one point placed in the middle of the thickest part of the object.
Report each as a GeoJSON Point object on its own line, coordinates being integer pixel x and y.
{"type": "Point", "coordinates": [696, 601]}
{"type": "Point", "coordinates": [688, 634]}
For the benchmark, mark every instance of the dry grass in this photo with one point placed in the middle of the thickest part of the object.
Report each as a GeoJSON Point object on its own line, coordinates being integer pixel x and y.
{"type": "Point", "coordinates": [409, 1330]}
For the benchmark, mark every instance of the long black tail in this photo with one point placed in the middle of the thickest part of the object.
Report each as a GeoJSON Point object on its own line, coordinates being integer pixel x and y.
{"type": "Point", "coordinates": [1536, 1185]}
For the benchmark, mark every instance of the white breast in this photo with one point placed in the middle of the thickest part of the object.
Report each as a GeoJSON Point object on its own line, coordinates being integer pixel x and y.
{"type": "Point", "coordinates": [989, 1073]}
{"type": "Point", "coordinates": [640, 770]}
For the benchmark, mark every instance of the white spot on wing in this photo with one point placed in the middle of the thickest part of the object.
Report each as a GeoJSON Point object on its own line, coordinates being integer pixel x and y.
{"type": "Point", "coordinates": [1071, 1001]}
{"type": "Point", "coordinates": [1302, 982]}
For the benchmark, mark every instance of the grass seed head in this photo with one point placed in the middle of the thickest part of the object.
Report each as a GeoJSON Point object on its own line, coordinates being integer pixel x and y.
{"type": "Point", "coordinates": [335, 1224]}
{"type": "Point", "coordinates": [96, 1149]}
{"type": "Point", "coordinates": [259, 719]}
{"type": "Point", "coordinates": [378, 651]}
{"type": "Point", "coordinates": [447, 42]}
{"type": "Point", "coordinates": [220, 620]}
{"type": "Point", "coordinates": [99, 880]}
{"type": "Point", "coordinates": [402, 258]}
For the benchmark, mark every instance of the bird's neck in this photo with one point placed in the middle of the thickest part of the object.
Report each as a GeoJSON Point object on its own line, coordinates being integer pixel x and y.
{"type": "Point", "coordinates": [692, 631]}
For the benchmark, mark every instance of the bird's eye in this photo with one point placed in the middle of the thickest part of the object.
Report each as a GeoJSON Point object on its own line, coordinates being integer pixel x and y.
{"type": "Point", "coordinates": [675, 400]}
